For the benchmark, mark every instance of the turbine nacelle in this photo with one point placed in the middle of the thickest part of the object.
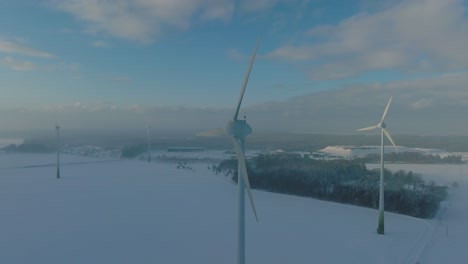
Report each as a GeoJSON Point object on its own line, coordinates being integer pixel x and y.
{"type": "Point", "coordinates": [238, 129]}
{"type": "Point", "coordinates": [381, 125]}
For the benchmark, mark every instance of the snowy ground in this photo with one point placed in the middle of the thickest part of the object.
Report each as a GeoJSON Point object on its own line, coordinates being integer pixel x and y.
{"type": "Point", "coordinates": [17, 161]}
{"type": "Point", "coordinates": [449, 231]}
{"type": "Point", "coordinates": [129, 211]}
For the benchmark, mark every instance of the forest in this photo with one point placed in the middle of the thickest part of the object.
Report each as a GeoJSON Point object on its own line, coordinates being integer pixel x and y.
{"type": "Point", "coordinates": [342, 181]}
{"type": "Point", "coordinates": [413, 158]}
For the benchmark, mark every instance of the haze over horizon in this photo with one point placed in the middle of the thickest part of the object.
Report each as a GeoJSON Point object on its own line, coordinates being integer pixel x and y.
{"type": "Point", "coordinates": [322, 66]}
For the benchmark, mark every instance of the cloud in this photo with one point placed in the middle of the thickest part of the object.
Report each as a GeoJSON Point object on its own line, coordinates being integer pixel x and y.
{"type": "Point", "coordinates": [12, 48]}
{"type": "Point", "coordinates": [17, 65]}
{"type": "Point", "coordinates": [72, 66]}
{"type": "Point", "coordinates": [121, 79]}
{"type": "Point", "coordinates": [235, 54]}
{"type": "Point", "coordinates": [142, 20]}
{"type": "Point", "coordinates": [37, 56]}
{"type": "Point", "coordinates": [76, 107]}
{"type": "Point", "coordinates": [107, 115]}
{"type": "Point", "coordinates": [408, 36]}
{"type": "Point", "coordinates": [100, 44]}
{"type": "Point", "coordinates": [145, 20]}
{"type": "Point", "coordinates": [222, 12]}
{"type": "Point", "coordinates": [263, 5]}
{"type": "Point", "coordinates": [376, 60]}
{"type": "Point", "coordinates": [432, 105]}
{"type": "Point", "coordinates": [21, 50]}
{"type": "Point", "coordinates": [435, 105]}
{"type": "Point", "coordinates": [61, 66]}
{"type": "Point", "coordinates": [422, 103]}
{"type": "Point", "coordinates": [258, 5]}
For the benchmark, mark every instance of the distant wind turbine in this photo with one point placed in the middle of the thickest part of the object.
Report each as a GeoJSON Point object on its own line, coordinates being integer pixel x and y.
{"type": "Point", "coordinates": [57, 128]}
{"type": "Point", "coordinates": [381, 125]}
{"type": "Point", "coordinates": [238, 130]}
{"type": "Point", "coordinates": [148, 131]}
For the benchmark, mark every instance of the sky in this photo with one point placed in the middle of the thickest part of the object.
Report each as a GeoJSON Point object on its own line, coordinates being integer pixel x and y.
{"type": "Point", "coordinates": [321, 67]}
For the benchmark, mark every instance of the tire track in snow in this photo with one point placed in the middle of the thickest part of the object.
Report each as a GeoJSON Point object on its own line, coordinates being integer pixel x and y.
{"type": "Point", "coordinates": [428, 235]}
{"type": "Point", "coordinates": [420, 245]}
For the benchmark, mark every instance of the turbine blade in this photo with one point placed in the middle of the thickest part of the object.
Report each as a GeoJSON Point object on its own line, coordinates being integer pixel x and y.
{"type": "Point", "coordinates": [388, 136]}
{"type": "Point", "coordinates": [368, 128]}
{"type": "Point", "coordinates": [243, 167]}
{"type": "Point", "coordinates": [246, 79]}
{"type": "Point", "coordinates": [386, 109]}
{"type": "Point", "coordinates": [211, 133]}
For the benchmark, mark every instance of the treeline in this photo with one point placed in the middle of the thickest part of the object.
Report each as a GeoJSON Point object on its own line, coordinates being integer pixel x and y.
{"type": "Point", "coordinates": [29, 148]}
{"type": "Point", "coordinates": [133, 151]}
{"type": "Point", "coordinates": [413, 157]}
{"type": "Point", "coordinates": [265, 141]}
{"type": "Point", "coordinates": [341, 181]}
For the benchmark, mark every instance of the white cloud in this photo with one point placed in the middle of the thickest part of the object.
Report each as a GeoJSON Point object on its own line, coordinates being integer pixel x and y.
{"type": "Point", "coordinates": [107, 115]}
{"type": "Point", "coordinates": [263, 5]}
{"type": "Point", "coordinates": [17, 65]}
{"type": "Point", "coordinates": [37, 56]}
{"type": "Point", "coordinates": [433, 105]}
{"type": "Point", "coordinates": [258, 5]}
{"type": "Point", "coordinates": [377, 60]}
{"type": "Point", "coordinates": [121, 79]}
{"type": "Point", "coordinates": [61, 66]}
{"type": "Point", "coordinates": [142, 20]}
{"type": "Point", "coordinates": [73, 66]}
{"type": "Point", "coordinates": [235, 54]}
{"type": "Point", "coordinates": [12, 48]}
{"type": "Point", "coordinates": [145, 20]}
{"type": "Point", "coordinates": [100, 44]}
{"type": "Point", "coordinates": [74, 107]}
{"type": "Point", "coordinates": [222, 12]}
{"type": "Point", "coordinates": [422, 103]}
{"type": "Point", "coordinates": [410, 36]}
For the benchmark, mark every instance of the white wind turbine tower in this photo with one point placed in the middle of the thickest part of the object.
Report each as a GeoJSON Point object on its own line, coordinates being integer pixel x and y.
{"type": "Point", "coordinates": [381, 125]}
{"type": "Point", "coordinates": [148, 132]}
{"type": "Point", "coordinates": [238, 130]}
{"type": "Point", "coordinates": [57, 128]}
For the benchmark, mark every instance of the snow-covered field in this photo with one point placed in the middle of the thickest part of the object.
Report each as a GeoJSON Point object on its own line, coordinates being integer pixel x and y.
{"type": "Point", "coordinates": [449, 229]}
{"type": "Point", "coordinates": [16, 161]}
{"type": "Point", "coordinates": [129, 211]}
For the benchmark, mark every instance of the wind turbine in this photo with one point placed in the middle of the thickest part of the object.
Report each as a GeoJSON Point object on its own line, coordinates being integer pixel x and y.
{"type": "Point", "coordinates": [57, 128]}
{"type": "Point", "coordinates": [381, 125]}
{"type": "Point", "coordinates": [238, 130]}
{"type": "Point", "coordinates": [148, 132]}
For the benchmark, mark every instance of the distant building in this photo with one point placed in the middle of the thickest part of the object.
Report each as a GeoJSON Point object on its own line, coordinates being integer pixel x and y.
{"type": "Point", "coordinates": [185, 149]}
